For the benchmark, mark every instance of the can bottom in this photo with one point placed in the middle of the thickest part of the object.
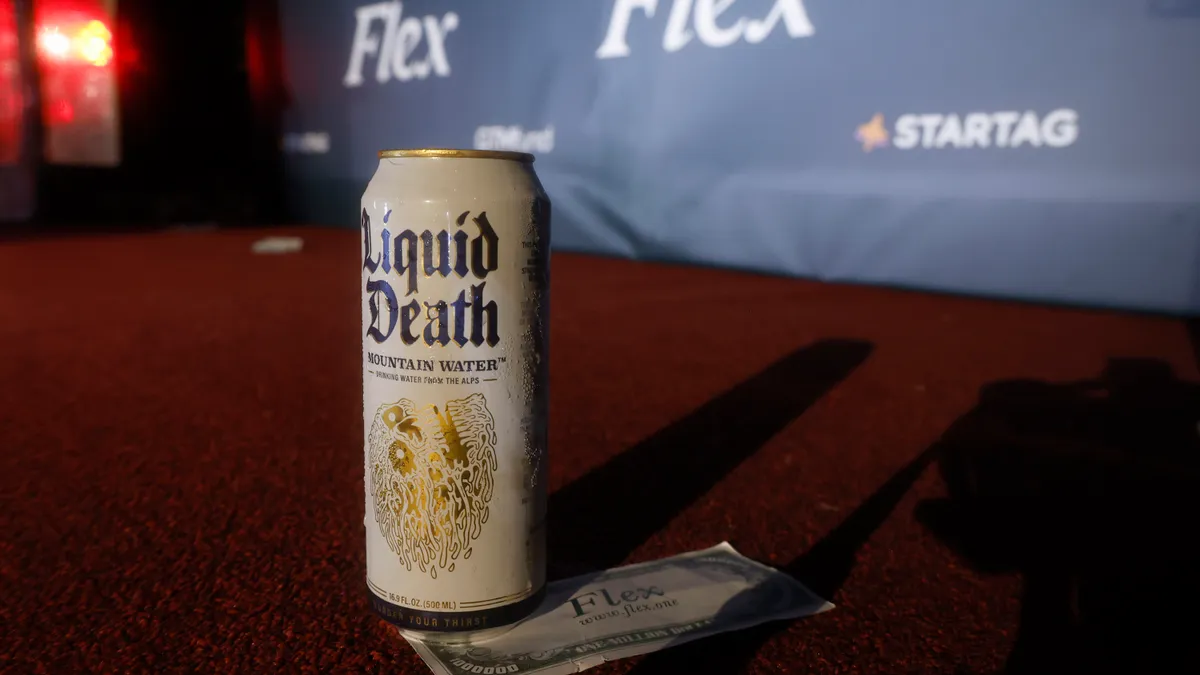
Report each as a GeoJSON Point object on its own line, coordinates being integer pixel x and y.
{"type": "Point", "coordinates": [457, 627]}
{"type": "Point", "coordinates": [474, 637]}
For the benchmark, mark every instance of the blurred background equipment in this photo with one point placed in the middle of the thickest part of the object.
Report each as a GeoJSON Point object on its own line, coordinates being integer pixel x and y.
{"type": "Point", "coordinates": [138, 113]}
{"type": "Point", "coordinates": [12, 100]}
{"type": "Point", "coordinates": [78, 82]}
{"type": "Point", "coordinates": [16, 177]}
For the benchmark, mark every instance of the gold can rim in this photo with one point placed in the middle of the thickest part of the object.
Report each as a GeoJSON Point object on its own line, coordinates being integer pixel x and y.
{"type": "Point", "coordinates": [450, 153]}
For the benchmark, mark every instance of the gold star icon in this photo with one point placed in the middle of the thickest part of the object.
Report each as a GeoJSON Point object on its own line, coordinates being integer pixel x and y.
{"type": "Point", "coordinates": [873, 134]}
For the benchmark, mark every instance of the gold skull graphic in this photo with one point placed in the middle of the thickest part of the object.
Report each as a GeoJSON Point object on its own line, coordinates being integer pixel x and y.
{"type": "Point", "coordinates": [432, 473]}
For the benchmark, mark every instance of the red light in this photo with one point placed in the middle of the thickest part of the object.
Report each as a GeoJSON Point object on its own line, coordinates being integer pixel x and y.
{"type": "Point", "coordinates": [53, 44]}
{"type": "Point", "coordinates": [95, 42]}
{"type": "Point", "coordinates": [62, 112]}
{"type": "Point", "coordinates": [90, 42]}
{"type": "Point", "coordinates": [75, 53]}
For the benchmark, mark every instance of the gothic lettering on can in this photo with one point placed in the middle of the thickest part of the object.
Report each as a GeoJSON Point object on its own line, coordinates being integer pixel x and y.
{"type": "Point", "coordinates": [408, 257]}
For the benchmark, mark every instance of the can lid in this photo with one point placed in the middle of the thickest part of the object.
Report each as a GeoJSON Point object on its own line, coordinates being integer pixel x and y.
{"type": "Point", "coordinates": [459, 154]}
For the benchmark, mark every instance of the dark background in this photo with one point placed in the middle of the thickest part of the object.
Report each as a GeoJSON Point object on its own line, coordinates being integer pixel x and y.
{"type": "Point", "coordinates": [200, 99]}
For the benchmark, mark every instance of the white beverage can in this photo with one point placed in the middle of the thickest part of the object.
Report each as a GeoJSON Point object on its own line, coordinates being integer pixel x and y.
{"type": "Point", "coordinates": [455, 308]}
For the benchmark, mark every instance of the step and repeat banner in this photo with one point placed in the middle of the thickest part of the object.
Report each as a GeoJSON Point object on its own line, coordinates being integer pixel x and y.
{"type": "Point", "coordinates": [1039, 149]}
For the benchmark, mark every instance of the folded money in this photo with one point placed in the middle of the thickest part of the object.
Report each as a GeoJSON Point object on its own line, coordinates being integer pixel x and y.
{"type": "Point", "coordinates": [590, 619]}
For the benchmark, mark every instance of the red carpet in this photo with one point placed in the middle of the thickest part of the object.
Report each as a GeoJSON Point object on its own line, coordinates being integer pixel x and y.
{"type": "Point", "coordinates": [181, 469]}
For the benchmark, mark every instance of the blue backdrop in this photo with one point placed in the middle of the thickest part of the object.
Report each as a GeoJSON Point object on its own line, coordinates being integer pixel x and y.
{"type": "Point", "coordinates": [1041, 149]}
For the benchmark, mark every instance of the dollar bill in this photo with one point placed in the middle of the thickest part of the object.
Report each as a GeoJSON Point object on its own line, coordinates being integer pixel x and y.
{"type": "Point", "coordinates": [622, 612]}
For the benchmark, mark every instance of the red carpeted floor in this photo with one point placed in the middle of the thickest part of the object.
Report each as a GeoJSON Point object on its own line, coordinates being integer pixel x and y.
{"type": "Point", "coordinates": [181, 471]}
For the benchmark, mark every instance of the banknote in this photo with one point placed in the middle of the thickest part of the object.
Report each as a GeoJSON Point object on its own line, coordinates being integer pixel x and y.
{"type": "Point", "coordinates": [622, 612]}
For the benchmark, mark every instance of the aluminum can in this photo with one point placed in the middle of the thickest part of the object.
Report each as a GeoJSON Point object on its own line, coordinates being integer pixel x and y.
{"type": "Point", "coordinates": [455, 308]}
